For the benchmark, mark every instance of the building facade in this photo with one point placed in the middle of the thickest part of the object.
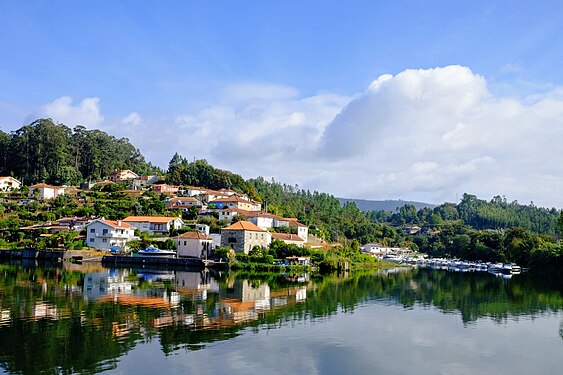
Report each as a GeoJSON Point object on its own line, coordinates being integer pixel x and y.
{"type": "Point", "coordinates": [106, 234]}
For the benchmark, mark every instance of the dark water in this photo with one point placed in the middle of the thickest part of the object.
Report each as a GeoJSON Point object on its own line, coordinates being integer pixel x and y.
{"type": "Point", "coordinates": [90, 319]}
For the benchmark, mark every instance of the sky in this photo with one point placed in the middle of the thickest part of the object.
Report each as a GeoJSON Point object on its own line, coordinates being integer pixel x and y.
{"type": "Point", "coordinates": [413, 100]}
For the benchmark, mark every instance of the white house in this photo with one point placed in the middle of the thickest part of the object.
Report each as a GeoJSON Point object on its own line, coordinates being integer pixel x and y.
{"type": "Point", "coordinates": [302, 229]}
{"type": "Point", "coordinates": [262, 220]}
{"type": "Point", "coordinates": [155, 224]}
{"type": "Point", "coordinates": [105, 234]}
{"type": "Point", "coordinates": [46, 191]}
{"type": "Point", "coordinates": [193, 244]}
{"type": "Point", "coordinates": [9, 183]}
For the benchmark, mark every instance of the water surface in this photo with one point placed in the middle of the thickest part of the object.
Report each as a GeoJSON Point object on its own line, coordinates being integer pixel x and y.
{"type": "Point", "coordinates": [91, 319]}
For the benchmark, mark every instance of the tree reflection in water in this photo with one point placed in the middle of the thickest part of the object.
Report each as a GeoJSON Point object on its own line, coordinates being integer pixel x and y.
{"type": "Point", "coordinates": [83, 319]}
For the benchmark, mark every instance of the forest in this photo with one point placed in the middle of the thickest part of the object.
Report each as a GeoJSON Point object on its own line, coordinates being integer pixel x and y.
{"type": "Point", "coordinates": [53, 153]}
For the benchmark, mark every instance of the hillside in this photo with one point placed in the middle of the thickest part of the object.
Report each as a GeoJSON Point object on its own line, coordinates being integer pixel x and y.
{"type": "Point", "coordinates": [384, 205]}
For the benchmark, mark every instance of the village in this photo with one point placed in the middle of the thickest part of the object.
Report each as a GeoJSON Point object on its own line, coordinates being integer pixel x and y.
{"type": "Point", "coordinates": [248, 225]}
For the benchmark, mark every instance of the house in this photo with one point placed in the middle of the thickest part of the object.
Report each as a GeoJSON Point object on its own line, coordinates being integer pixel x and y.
{"type": "Point", "coordinates": [45, 191]}
{"type": "Point", "coordinates": [289, 238]}
{"type": "Point", "coordinates": [243, 236]}
{"type": "Point", "coordinates": [183, 203]}
{"type": "Point", "coordinates": [155, 224]}
{"type": "Point", "coordinates": [105, 234]}
{"type": "Point", "coordinates": [75, 223]}
{"type": "Point", "coordinates": [234, 201]}
{"type": "Point", "coordinates": [263, 220]}
{"type": "Point", "coordinates": [229, 213]}
{"type": "Point", "coordinates": [301, 229]}
{"type": "Point", "coordinates": [193, 244]}
{"type": "Point", "coordinates": [143, 181]}
{"type": "Point", "coordinates": [123, 175]}
{"type": "Point", "coordinates": [165, 188]}
{"type": "Point", "coordinates": [298, 261]}
{"type": "Point", "coordinates": [193, 191]}
{"type": "Point", "coordinates": [9, 183]}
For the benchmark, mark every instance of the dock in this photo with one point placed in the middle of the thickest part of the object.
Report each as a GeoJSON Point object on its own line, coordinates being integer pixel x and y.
{"type": "Point", "coordinates": [175, 262]}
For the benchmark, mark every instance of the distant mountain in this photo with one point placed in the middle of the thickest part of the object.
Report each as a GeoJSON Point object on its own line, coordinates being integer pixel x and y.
{"type": "Point", "coordinates": [386, 205]}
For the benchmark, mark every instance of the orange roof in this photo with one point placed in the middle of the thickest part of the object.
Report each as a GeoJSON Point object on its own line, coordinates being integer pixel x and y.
{"type": "Point", "coordinates": [194, 236]}
{"type": "Point", "coordinates": [117, 223]}
{"type": "Point", "coordinates": [150, 219]}
{"type": "Point", "coordinates": [286, 237]}
{"type": "Point", "coordinates": [244, 225]}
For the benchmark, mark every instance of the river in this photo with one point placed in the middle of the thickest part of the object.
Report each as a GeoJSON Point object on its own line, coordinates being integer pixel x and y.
{"type": "Point", "coordinates": [89, 319]}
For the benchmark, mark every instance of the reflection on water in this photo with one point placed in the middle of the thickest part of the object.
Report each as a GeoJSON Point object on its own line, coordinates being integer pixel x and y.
{"type": "Point", "coordinates": [85, 318]}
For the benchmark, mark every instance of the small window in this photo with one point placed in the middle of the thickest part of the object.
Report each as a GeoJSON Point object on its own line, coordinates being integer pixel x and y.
{"type": "Point", "coordinates": [91, 240]}
{"type": "Point", "coordinates": [92, 230]}
{"type": "Point", "coordinates": [105, 240]}
{"type": "Point", "coordinates": [104, 231]}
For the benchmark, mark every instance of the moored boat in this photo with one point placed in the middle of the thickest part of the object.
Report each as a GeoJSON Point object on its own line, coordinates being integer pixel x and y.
{"type": "Point", "coordinates": [155, 252]}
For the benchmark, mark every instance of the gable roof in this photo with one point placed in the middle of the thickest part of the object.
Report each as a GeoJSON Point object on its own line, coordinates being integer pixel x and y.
{"type": "Point", "coordinates": [286, 237]}
{"type": "Point", "coordinates": [244, 225]}
{"type": "Point", "coordinates": [194, 236]}
{"type": "Point", "coordinates": [115, 223]}
{"type": "Point", "coordinates": [150, 219]}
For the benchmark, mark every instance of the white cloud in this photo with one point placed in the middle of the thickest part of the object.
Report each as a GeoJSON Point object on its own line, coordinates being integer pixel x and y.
{"type": "Point", "coordinates": [62, 110]}
{"type": "Point", "coordinates": [133, 119]}
{"type": "Point", "coordinates": [427, 134]}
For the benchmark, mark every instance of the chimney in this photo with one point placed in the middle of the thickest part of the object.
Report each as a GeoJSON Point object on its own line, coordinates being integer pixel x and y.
{"type": "Point", "coordinates": [118, 223]}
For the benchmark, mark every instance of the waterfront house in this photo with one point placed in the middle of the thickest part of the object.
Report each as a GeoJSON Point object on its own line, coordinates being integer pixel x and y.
{"type": "Point", "coordinates": [193, 244]}
{"type": "Point", "coordinates": [243, 236]}
{"type": "Point", "coordinates": [155, 224]}
{"type": "Point", "coordinates": [298, 261]}
{"type": "Point", "coordinates": [105, 234]}
{"type": "Point", "coordinates": [9, 183]}
{"type": "Point", "coordinates": [45, 191]}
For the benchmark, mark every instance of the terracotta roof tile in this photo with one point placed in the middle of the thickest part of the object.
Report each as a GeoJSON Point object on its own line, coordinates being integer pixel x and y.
{"type": "Point", "coordinates": [244, 225]}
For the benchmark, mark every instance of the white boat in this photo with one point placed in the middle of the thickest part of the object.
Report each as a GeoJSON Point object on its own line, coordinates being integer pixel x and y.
{"type": "Point", "coordinates": [155, 252]}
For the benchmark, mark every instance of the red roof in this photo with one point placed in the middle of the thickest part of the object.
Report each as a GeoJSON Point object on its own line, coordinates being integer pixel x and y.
{"type": "Point", "coordinates": [194, 236]}
{"type": "Point", "coordinates": [117, 224]}
{"type": "Point", "coordinates": [244, 225]}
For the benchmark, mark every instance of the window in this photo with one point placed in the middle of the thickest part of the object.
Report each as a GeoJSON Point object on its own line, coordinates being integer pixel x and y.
{"type": "Point", "coordinates": [92, 230]}
{"type": "Point", "coordinates": [104, 231]}
{"type": "Point", "coordinates": [104, 240]}
{"type": "Point", "coordinates": [92, 240]}
{"type": "Point", "coordinates": [184, 243]}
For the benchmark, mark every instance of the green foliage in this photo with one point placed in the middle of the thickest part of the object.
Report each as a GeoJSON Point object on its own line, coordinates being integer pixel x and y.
{"type": "Point", "coordinates": [45, 151]}
{"type": "Point", "coordinates": [200, 173]}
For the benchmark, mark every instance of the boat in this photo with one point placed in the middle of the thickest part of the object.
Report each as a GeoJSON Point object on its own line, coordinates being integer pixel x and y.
{"type": "Point", "coordinates": [155, 252]}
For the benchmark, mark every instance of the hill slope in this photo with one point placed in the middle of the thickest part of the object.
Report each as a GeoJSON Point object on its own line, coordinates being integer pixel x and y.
{"type": "Point", "coordinates": [385, 205]}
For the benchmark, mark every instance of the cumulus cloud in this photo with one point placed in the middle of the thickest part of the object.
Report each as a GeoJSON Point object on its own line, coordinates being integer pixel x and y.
{"type": "Point", "coordinates": [62, 110]}
{"type": "Point", "coordinates": [426, 134]}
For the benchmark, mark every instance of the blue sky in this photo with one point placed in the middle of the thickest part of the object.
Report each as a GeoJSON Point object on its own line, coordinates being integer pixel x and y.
{"type": "Point", "coordinates": [193, 67]}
